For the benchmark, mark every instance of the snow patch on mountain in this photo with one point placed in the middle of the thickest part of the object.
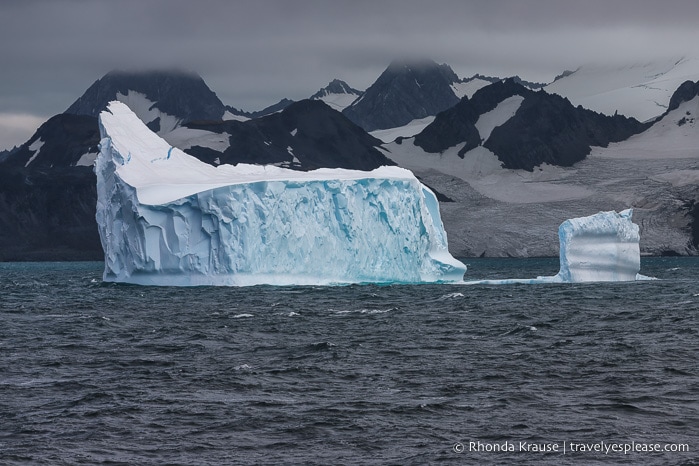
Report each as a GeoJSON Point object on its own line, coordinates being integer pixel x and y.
{"type": "Point", "coordinates": [498, 116]}
{"type": "Point", "coordinates": [339, 101]}
{"type": "Point", "coordinates": [146, 110]}
{"type": "Point", "coordinates": [87, 159]}
{"type": "Point", "coordinates": [467, 88]}
{"type": "Point", "coordinates": [409, 130]}
{"type": "Point", "coordinates": [185, 138]}
{"type": "Point", "coordinates": [36, 147]}
{"type": "Point", "coordinates": [228, 115]}
{"type": "Point", "coordinates": [338, 95]}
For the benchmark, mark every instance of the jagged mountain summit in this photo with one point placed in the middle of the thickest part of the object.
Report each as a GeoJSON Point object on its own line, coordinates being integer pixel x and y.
{"type": "Point", "coordinates": [404, 92]}
{"type": "Point", "coordinates": [338, 95]}
{"type": "Point", "coordinates": [408, 95]}
{"type": "Point", "coordinates": [162, 99]}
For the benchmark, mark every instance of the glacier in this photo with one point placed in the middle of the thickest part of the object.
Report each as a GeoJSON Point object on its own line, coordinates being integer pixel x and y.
{"type": "Point", "coordinates": [603, 247]}
{"type": "Point", "coordinates": [165, 218]}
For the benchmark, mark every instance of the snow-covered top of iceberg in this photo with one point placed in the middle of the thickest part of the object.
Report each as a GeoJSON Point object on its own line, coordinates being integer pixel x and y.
{"type": "Point", "coordinates": [161, 173]}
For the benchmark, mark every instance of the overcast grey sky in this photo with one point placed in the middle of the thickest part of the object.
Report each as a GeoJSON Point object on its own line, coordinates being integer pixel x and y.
{"type": "Point", "coordinates": [253, 53]}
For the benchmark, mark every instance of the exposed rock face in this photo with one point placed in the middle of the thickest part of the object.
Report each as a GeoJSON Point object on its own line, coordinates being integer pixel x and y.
{"type": "Point", "coordinates": [544, 129]}
{"type": "Point", "coordinates": [686, 92]}
{"type": "Point", "coordinates": [183, 95]}
{"type": "Point", "coordinates": [60, 142]}
{"type": "Point", "coordinates": [279, 106]}
{"type": "Point", "coordinates": [304, 136]}
{"type": "Point", "coordinates": [548, 129]}
{"type": "Point", "coordinates": [48, 215]}
{"type": "Point", "coordinates": [404, 92]}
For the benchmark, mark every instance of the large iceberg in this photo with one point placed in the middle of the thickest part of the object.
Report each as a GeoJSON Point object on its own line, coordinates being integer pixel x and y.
{"type": "Point", "coordinates": [600, 248]}
{"type": "Point", "coordinates": [165, 218]}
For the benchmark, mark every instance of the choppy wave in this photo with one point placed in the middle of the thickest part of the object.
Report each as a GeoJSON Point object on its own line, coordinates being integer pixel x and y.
{"type": "Point", "coordinates": [93, 374]}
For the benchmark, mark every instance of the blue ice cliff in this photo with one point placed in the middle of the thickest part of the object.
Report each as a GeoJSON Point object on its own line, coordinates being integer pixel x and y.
{"type": "Point", "coordinates": [165, 218]}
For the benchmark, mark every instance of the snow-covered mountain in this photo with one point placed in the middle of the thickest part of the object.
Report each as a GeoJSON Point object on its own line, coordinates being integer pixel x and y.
{"type": "Point", "coordinates": [164, 100]}
{"type": "Point", "coordinates": [523, 128]}
{"type": "Point", "coordinates": [161, 99]}
{"type": "Point", "coordinates": [338, 95]}
{"type": "Point", "coordinates": [640, 90]}
{"type": "Point", "coordinates": [515, 162]}
{"type": "Point", "coordinates": [47, 185]}
{"type": "Point", "coordinates": [461, 88]}
{"type": "Point", "coordinates": [500, 211]}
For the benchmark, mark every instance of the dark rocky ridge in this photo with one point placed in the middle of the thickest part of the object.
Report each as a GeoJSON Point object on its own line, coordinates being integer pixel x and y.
{"type": "Point", "coordinates": [548, 129]}
{"type": "Point", "coordinates": [181, 94]}
{"type": "Point", "coordinates": [279, 106]}
{"type": "Point", "coordinates": [317, 135]}
{"type": "Point", "coordinates": [48, 214]}
{"type": "Point", "coordinates": [686, 92]}
{"type": "Point", "coordinates": [404, 91]}
{"type": "Point", "coordinates": [545, 129]}
{"type": "Point", "coordinates": [65, 139]}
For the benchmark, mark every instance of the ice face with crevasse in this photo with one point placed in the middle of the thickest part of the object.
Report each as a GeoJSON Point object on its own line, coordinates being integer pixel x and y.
{"type": "Point", "coordinates": [165, 218]}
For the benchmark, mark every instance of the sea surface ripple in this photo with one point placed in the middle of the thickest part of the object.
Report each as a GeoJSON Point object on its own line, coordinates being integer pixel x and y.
{"type": "Point", "coordinates": [94, 373]}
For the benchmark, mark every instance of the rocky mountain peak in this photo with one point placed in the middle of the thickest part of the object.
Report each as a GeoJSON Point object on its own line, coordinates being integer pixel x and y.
{"type": "Point", "coordinates": [686, 92]}
{"type": "Point", "coordinates": [405, 91]}
{"type": "Point", "coordinates": [182, 94]}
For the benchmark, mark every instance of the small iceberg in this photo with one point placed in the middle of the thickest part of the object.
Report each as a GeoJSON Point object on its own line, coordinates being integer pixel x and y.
{"type": "Point", "coordinates": [599, 248]}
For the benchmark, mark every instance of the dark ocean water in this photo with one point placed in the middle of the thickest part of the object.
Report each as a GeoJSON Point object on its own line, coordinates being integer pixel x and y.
{"type": "Point", "coordinates": [94, 373]}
